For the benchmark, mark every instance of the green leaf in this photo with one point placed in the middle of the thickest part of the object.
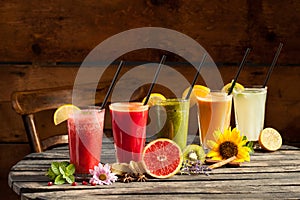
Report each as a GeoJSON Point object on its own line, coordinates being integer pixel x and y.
{"type": "Point", "coordinates": [250, 146]}
{"type": "Point", "coordinates": [50, 174]}
{"type": "Point", "coordinates": [59, 180]}
{"type": "Point", "coordinates": [70, 169]}
{"type": "Point", "coordinates": [64, 163]}
{"type": "Point", "coordinates": [70, 179]}
{"type": "Point", "coordinates": [62, 170]}
{"type": "Point", "coordinates": [54, 167]}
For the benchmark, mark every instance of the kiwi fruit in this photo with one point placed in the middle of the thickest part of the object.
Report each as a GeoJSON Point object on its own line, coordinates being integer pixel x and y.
{"type": "Point", "coordinates": [193, 152]}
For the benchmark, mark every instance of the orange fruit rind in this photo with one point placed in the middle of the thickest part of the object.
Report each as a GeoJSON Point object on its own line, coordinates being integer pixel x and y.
{"type": "Point", "coordinates": [198, 91]}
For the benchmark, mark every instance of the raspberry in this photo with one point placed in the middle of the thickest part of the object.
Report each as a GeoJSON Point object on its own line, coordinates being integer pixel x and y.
{"type": "Point", "coordinates": [84, 183]}
{"type": "Point", "coordinates": [74, 183]}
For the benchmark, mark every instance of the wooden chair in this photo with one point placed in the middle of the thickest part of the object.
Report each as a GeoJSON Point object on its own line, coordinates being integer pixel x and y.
{"type": "Point", "coordinates": [29, 103]}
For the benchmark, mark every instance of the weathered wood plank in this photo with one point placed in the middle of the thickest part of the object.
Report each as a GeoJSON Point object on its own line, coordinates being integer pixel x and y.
{"type": "Point", "coordinates": [29, 77]}
{"type": "Point", "coordinates": [87, 195]}
{"type": "Point", "coordinates": [216, 175]}
{"type": "Point", "coordinates": [268, 173]}
{"type": "Point", "coordinates": [207, 187]}
{"type": "Point", "coordinates": [254, 165]}
{"type": "Point", "coordinates": [46, 34]}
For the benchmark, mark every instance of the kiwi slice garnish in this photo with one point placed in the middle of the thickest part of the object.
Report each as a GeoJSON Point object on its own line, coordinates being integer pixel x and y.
{"type": "Point", "coordinates": [193, 152]}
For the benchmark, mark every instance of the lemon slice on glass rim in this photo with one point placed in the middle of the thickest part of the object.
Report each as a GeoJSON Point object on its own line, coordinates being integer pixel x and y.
{"type": "Point", "coordinates": [198, 91]}
{"type": "Point", "coordinates": [154, 98]}
{"type": "Point", "coordinates": [237, 87]}
{"type": "Point", "coordinates": [63, 112]}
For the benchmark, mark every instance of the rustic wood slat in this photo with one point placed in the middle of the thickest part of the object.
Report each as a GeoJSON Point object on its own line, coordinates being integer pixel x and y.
{"type": "Point", "coordinates": [29, 177]}
{"type": "Point", "coordinates": [268, 173]}
{"type": "Point", "coordinates": [171, 186]}
{"type": "Point", "coordinates": [42, 165]}
{"type": "Point", "coordinates": [254, 187]}
{"type": "Point", "coordinates": [225, 29]}
{"type": "Point", "coordinates": [90, 195]}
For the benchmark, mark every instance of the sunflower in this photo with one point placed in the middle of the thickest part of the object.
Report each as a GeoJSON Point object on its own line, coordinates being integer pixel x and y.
{"type": "Point", "coordinates": [228, 144]}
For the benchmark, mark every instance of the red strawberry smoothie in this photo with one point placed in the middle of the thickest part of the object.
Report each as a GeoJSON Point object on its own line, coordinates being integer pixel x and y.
{"type": "Point", "coordinates": [85, 129]}
{"type": "Point", "coordinates": [129, 122]}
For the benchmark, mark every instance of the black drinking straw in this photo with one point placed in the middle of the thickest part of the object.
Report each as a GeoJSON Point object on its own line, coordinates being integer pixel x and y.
{"type": "Point", "coordinates": [195, 77]}
{"type": "Point", "coordinates": [162, 61]}
{"type": "Point", "coordinates": [273, 64]}
{"type": "Point", "coordinates": [112, 85]}
{"type": "Point", "coordinates": [239, 71]}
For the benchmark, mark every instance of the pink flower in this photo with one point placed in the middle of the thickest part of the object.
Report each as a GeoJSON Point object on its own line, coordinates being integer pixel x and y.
{"type": "Point", "coordinates": [102, 175]}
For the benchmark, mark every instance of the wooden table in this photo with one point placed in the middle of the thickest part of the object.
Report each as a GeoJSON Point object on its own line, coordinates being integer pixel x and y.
{"type": "Point", "coordinates": [268, 176]}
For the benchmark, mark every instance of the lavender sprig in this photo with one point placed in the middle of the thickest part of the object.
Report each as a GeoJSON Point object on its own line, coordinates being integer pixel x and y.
{"type": "Point", "coordinates": [194, 168]}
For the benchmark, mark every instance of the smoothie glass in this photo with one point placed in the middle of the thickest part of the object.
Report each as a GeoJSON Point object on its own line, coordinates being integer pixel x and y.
{"type": "Point", "coordinates": [129, 120]}
{"type": "Point", "coordinates": [249, 109]}
{"type": "Point", "coordinates": [214, 111]}
{"type": "Point", "coordinates": [173, 120]}
{"type": "Point", "coordinates": [85, 129]}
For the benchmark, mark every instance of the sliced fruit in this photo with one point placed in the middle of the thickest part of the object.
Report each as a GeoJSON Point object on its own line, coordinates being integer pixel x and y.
{"type": "Point", "coordinates": [193, 152]}
{"type": "Point", "coordinates": [63, 112]}
{"type": "Point", "coordinates": [162, 158]}
{"type": "Point", "coordinates": [270, 139]}
{"type": "Point", "coordinates": [198, 91]}
{"type": "Point", "coordinates": [237, 87]}
{"type": "Point", "coordinates": [120, 168]}
{"type": "Point", "coordinates": [136, 167]}
{"type": "Point", "coordinates": [154, 98]}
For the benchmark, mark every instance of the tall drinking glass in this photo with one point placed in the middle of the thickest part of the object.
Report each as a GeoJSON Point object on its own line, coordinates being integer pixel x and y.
{"type": "Point", "coordinates": [85, 128]}
{"type": "Point", "coordinates": [129, 120]}
{"type": "Point", "coordinates": [173, 120]}
{"type": "Point", "coordinates": [249, 107]}
{"type": "Point", "coordinates": [214, 111]}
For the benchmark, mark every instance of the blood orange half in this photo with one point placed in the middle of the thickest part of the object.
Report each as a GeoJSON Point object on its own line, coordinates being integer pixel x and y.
{"type": "Point", "coordinates": [162, 158]}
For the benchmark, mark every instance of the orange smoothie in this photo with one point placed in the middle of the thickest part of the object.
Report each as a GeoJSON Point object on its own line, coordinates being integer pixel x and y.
{"type": "Point", "coordinates": [214, 112]}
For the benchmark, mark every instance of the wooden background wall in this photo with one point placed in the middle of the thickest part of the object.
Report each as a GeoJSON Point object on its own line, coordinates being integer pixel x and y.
{"type": "Point", "coordinates": [43, 42]}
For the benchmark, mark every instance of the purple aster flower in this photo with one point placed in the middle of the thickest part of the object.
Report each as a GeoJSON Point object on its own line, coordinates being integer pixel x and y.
{"type": "Point", "coordinates": [102, 175]}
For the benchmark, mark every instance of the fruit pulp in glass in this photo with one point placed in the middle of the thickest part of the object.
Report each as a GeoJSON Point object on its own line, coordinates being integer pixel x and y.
{"type": "Point", "coordinates": [249, 108]}
{"type": "Point", "coordinates": [85, 129]}
{"type": "Point", "coordinates": [129, 120]}
{"type": "Point", "coordinates": [173, 120]}
{"type": "Point", "coordinates": [214, 113]}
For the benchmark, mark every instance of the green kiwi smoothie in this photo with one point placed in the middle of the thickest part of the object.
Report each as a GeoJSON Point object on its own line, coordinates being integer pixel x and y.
{"type": "Point", "coordinates": [173, 119]}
